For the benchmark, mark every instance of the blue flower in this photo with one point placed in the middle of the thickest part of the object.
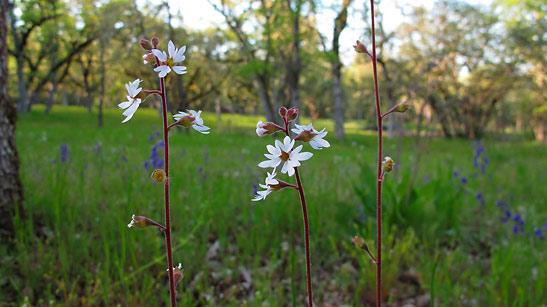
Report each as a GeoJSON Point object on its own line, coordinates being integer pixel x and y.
{"type": "Point", "coordinates": [64, 153]}
{"type": "Point", "coordinates": [464, 180]}
{"type": "Point", "coordinates": [455, 174]}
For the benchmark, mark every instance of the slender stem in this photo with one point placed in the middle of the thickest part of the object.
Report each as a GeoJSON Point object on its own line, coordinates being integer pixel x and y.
{"type": "Point", "coordinates": [300, 189]}
{"type": "Point", "coordinates": [172, 290]}
{"type": "Point", "coordinates": [379, 175]}
{"type": "Point", "coordinates": [306, 235]}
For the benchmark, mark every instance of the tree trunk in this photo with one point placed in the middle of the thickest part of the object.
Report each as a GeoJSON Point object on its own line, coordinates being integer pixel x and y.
{"type": "Point", "coordinates": [296, 67]}
{"type": "Point", "coordinates": [11, 189]}
{"type": "Point", "coordinates": [338, 101]}
{"type": "Point", "coordinates": [262, 85]}
{"type": "Point", "coordinates": [103, 79]}
{"type": "Point", "coordinates": [21, 83]}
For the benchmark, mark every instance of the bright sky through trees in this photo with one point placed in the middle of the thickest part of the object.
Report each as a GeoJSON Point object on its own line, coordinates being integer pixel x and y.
{"type": "Point", "coordinates": [200, 15]}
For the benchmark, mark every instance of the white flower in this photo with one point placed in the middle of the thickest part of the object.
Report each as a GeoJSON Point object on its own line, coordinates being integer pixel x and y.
{"type": "Point", "coordinates": [260, 131]}
{"type": "Point", "coordinates": [137, 221]}
{"type": "Point", "coordinates": [260, 195]}
{"type": "Point", "coordinates": [283, 152]}
{"type": "Point", "coordinates": [132, 103]}
{"type": "Point", "coordinates": [309, 134]}
{"type": "Point", "coordinates": [168, 63]}
{"type": "Point", "coordinates": [192, 118]}
{"type": "Point", "coordinates": [263, 128]}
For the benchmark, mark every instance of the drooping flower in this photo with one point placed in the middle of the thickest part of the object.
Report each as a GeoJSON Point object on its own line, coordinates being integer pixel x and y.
{"type": "Point", "coordinates": [309, 134]}
{"type": "Point", "coordinates": [388, 164]}
{"type": "Point", "coordinates": [284, 152]}
{"type": "Point", "coordinates": [265, 128]}
{"type": "Point", "coordinates": [169, 63]}
{"type": "Point", "coordinates": [137, 221]}
{"type": "Point", "coordinates": [133, 102]}
{"type": "Point", "coordinates": [192, 119]}
{"type": "Point", "coordinates": [178, 273]}
{"type": "Point", "coordinates": [269, 186]}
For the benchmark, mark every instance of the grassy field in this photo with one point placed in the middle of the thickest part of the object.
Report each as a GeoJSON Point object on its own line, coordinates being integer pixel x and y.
{"type": "Point", "coordinates": [470, 231]}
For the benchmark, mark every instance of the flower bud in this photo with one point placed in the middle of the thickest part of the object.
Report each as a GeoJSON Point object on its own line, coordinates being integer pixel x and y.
{"type": "Point", "coordinates": [149, 59]}
{"type": "Point", "coordinates": [282, 111]}
{"type": "Point", "coordinates": [146, 44]}
{"type": "Point", "coordinates": [138, 222]}
{"type": "Point", "coordinates": [388, 164]}
{"type": "Point", "coordinates": [263, 129]}
{"type": "Point", "coordinates": [158, 175]}
{"type": "Point", "coordinates": [360, 48]}
{"type": "Point", "coordinates": [402, 107]}
{"type": "Point", "coordinates": [292, 113]}
{"type": "Point", "coordinates": [155, 42]}
{"type": "Point", "coordinates": [359, 242]}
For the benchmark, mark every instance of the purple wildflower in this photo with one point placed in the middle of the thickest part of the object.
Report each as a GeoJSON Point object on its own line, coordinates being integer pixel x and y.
{"type": "Point", "coordinates": [64, 153]}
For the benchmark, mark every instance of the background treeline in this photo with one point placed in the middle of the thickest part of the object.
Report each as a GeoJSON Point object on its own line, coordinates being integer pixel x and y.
{"type": "Point", "coordinates": [465, 69]}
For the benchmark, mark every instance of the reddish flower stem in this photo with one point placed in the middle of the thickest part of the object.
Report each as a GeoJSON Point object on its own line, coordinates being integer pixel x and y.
{"type": "Point", "coordinates": [379, 175]}
{"type": "Point", "coordinates": [167, 231]}
{"type": "Point", "coordinates": [306, 235]}
{"type": "Point", "coordinates": [300, 189]}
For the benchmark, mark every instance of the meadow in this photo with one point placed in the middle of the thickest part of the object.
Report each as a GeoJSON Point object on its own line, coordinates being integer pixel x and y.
{"type": "Point", "coordinates": [465, 221]}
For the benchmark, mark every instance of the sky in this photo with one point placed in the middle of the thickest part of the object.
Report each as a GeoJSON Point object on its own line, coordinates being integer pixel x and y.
{"type": "Point", "coordinates": [199, 14]}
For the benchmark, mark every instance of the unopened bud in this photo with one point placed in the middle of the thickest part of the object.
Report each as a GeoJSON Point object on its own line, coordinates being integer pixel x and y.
{"type": "Point", "coordinates": [362, 245]}
{"type": "Point", "coordinates": [402, 107]}
{"type": "Point", "coordinates": [266, 128]}
{"type": "Point", "coordinates": [292, 113]}
{"type": "Point", "coordinates": [158, 175]}
{"type": "Point", "coordinates": [138, 222]}
{"type": "Point", "coordinates": [359, 242]}
{"type": "Point", "coordinates": [360, 48]}
{"type": "Point", "coordinates": [388, 164]}
{"type": "Point", "coordinates": [155, 42]}
{"type": "Point", "coordinates": [149, 59]}
{"type": "Point", "coordinates": [282, 111]}
{"type": "Point", "coordinates": [146, 44]}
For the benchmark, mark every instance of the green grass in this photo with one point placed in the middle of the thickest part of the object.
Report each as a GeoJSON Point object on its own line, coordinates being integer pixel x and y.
{"type": "Point", "coordinates": [75, 248]}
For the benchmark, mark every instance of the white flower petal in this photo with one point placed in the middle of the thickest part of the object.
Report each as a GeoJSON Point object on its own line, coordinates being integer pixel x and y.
{"type": "Point", "coordinates": [181, 70]}
{"type": "Point", "coordinates": [291, 171]}
{"type": "Point", "coordinates": [124, 105]}
{"type": "Point", "coordinates": [171, 49]}
{"type": "Point", "coordinates": [162, 70]}
{"type": "Point", "coordinates": [161, 55]}
{"type": "Point", "coordinates": [303, 156]}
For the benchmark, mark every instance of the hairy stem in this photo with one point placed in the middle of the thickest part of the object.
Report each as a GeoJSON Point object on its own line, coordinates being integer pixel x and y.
{"type": "Point", "coordinates": [172, 290]}
{"type": "Point", "coordinates": [379, 174]}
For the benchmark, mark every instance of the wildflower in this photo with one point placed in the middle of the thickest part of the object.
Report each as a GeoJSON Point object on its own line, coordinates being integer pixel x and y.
{"type": "Point", "coordinates": [309, 134]}
{"type": "Point", "coordinates": [158, 175]}
{"type": "Point", "coordinates": [133, 102]}
{"type": "Point", "coordinates": [388, 164]}
{"type": "Point", "coordinates": [538, 233]}
{"type": "Point", "coordinates": [284, 152]}
{"type": "Point", "coordinates": [193, 119]}
{"type": "Point", "coordinates": [270, 181]}
{"type": "Point", "coordinates": [464, 180]}
{"type": "Point", "coordinates": [455, 174]}
{"type": "Point", "coordinates": [138, 222]}
{"type": "Point", "coordinates": [64, 153]}
{"type": "Point", "coordinates": [168, 63]}
{"type": "Point", "coordinates": [263, 129]}
{"type": "Point", "coordinates": [480, 198]}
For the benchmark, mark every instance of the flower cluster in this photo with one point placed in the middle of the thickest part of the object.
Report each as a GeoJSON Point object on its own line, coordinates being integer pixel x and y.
{"type": "Point", "coordinates": [285, 153]}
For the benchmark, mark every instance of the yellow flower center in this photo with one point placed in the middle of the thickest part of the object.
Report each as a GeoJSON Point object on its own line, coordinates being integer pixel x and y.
{"type": "Point", "coordinates": [170, 62]}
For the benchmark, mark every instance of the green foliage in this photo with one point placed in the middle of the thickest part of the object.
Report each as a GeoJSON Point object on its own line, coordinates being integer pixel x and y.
{"type": "Point", "coordinates": [75, 247]}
